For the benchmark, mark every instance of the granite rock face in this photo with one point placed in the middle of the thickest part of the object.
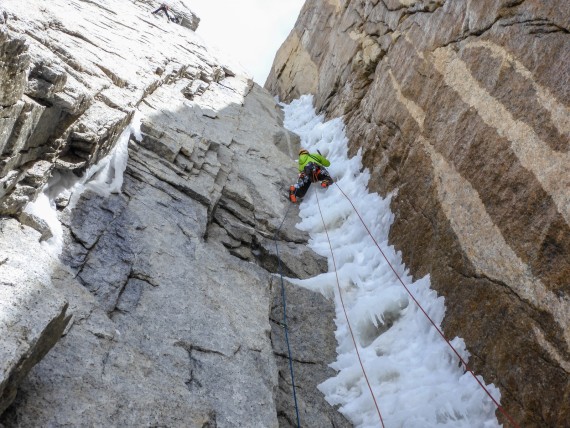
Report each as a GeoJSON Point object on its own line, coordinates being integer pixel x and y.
{"type": "Point", "coordinates": [14, 63]}
{"type": "Point", "coordinates": [90, 65]}
{"type": "Point", "coordinates": [312, 350]}
{"type": "Point", "coordinates": [461, 109]}
{"type": "Point", "coordinates": [158, 310]}
{"type": "Point", "coordinates": [33, 312]}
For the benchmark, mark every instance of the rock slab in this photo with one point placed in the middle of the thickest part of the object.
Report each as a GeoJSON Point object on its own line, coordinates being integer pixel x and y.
{"type": "Point", "coordinates": [169, 281]}
{"type": "Point", "coordinates": [33, 314]}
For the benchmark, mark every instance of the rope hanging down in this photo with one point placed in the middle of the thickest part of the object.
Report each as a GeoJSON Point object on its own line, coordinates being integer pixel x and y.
{"type": "Point", "coordinates": [346, 315]}
{"type": "Point", "coordinates": [286, 328]}
{"type": "Point", "coordinates": [503, 411]}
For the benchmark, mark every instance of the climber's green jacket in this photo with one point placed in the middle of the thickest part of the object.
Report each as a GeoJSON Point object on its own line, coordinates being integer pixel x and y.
{"type": "Point", "coordinates": [305, 158]}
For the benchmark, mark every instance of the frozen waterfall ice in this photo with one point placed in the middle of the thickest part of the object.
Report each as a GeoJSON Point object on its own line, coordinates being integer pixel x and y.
{"type": "Point", "coordinates": [416, 378]}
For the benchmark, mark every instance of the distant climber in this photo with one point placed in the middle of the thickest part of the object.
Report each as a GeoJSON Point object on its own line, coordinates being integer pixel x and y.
{"type": "Point", "coordinates": [311, 169]}
{"type": "Point", "coordinates": [164, 8]}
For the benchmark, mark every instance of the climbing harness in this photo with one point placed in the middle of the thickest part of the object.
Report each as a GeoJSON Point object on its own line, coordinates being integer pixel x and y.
{"type": "Point", "coordinates": [315, 176]}
{"type": "Point", "coordinates": [503, 411]}
{"type": "Point", "coordinates": [284, 325]}
{"type": "Point", "coordinates": [346, 315]}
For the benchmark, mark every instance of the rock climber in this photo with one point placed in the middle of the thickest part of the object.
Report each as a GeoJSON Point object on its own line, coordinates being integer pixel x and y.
{"type": "Point", "coordinates": [164, 7]}
{"type": "Point", "coordinates": [311, 169]}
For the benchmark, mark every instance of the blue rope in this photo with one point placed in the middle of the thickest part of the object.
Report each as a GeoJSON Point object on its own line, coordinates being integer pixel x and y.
{"type": "Point", "coordinates": [285, 317]}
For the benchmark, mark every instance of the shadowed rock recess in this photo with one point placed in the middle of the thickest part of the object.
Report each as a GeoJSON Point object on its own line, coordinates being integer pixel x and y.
{"type": "Point", "coordinates": [461, 111]}
{"type": "Point", "coordinates": [163, 308]}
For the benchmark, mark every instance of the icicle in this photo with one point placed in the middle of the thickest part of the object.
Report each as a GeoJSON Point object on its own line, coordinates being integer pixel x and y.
{"type": "Point", "coordinates": [104, 178]}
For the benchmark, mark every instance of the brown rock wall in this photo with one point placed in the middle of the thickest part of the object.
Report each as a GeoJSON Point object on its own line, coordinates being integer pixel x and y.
{"type": "Point", "coordinates": [462, 107]}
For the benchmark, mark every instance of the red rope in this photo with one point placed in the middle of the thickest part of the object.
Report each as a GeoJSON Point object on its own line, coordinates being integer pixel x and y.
{"type": "Point", "coordinates": [503, 411]}
{"type": "Point", "coordinates": [346, 315]}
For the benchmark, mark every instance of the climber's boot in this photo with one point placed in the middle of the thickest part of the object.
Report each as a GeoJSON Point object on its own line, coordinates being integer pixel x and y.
{"type": "Point", "coordinates": [292, 196]}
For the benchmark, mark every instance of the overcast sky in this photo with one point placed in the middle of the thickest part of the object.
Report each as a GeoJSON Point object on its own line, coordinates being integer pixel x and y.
{"type": "Point", "coordinates": [247, 31]}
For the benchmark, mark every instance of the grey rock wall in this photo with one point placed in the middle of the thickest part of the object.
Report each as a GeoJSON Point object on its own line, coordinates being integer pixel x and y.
{"type": "Point", "coordinates": [14, 62]}
{"type": "Point", "coordinates": [159, 308]}
{"type": "Point", "coordinates": [310, 319]}
{"type": "Point", "coordinates": [33, 312]}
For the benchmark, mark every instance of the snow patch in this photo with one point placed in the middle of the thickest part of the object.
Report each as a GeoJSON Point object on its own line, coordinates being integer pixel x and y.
{"type": "Point", "coordinates": [104, 178]}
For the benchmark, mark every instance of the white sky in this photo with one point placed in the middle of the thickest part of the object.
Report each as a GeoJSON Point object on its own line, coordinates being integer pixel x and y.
{"type": "Point", "coordinates": [247, 31]}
